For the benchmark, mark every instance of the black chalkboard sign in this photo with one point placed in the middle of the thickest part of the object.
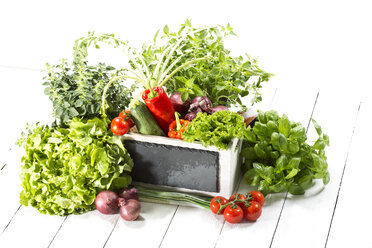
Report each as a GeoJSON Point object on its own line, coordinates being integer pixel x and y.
{"type": "Point", "coordinates": [174, 166]}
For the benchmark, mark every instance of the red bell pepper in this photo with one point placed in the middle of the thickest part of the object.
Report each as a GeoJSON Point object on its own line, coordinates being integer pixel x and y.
{"type": "Point", "coordinates": [160, 107]}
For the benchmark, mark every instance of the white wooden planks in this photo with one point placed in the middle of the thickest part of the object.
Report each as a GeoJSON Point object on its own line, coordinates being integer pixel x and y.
{"type": "Point", "coordinates": [9, 188]}
{"type": "Point", "coordinates": [87, 230]}
{"type": "Point", "coordinates": [351, 223]}
{"type": "Point", "coordinates": [306, 219]}
{"type": "Point", "coordinates": [147, 231]}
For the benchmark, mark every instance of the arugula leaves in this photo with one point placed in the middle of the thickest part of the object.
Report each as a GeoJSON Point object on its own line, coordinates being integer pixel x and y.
{"type": "Point", "coordinates": [63, 169]}
{"type": "Point", "coordinates": [217, 129]}
{"type": "Point", "coordinates": [277, 157]}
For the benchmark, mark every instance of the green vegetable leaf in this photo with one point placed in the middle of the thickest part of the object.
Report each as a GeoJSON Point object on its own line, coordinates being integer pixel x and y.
{"type": "Point", "coordinates": [284, 126]}
{"type": "Point", "coordinates": [63, 169]}
{"type": "Point", "coordinates": [317, 127]}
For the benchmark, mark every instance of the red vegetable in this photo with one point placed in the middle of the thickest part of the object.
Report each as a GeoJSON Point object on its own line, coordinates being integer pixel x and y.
{"type": "Point", "coordinates": [177, 127]}
{"type": "Point", "coordinates": [127, 118]}
{"type": "Point", "coordinates": [233, 214]}
{"type": "Point", "coordinates": [160, 107]}
{"type": "Point", "coordinates": [253, 212]}
{"type": "Point", "coordinates": [217, 202]}
{"type": "Point", "coordinates": [238, 197]}
{"type": "Point", "coordinates": [258, 197]}
{"type": "Point", "coordinates": [129, 194]}
{"type": "Point", "coordinates": [107, 202]}
{"type": "Point", "coordinates": [218, 108]}
{"type": "Point", "coordinates": [119, 126]}
{"type": "Point", "coordinates": [179, 105]}
{"type": "Point", "coordinates": [129, 209]}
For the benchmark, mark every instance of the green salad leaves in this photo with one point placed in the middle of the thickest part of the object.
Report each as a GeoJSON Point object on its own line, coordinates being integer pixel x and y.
{"type": "Point", "coordinates": [277, 157]}
{"type": "Point", "coordinates": [217, 129]}
{"type": "Point", "coordinates": [63, 169]}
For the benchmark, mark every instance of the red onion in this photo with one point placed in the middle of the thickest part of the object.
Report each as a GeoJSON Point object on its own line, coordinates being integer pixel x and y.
{"type": "Point", "coordinates": [107, 202]}
{"type": "Point", "coordinates": [129, 209]}
{"type": "Point", "coordinates": [218, 108]}
{"type": "Point", "coordinates": [195, 103]}
{"type": "Point", "coordinates": [129, 194]}
{"type": "Point", "coordinates": [179, 105]}
{"type": "Point", "coordinates": [192, 115]}
{"type": "Point", "coordinates": [205, 104]}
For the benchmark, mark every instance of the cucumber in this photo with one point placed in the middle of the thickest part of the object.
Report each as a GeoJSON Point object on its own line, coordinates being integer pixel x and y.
{"type": "Point", "coordinates": [144, 120]}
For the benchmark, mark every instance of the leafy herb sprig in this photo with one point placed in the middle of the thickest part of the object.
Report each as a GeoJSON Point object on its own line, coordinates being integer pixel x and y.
{"type": "Point", "coordinates": [224, 80]}
{"type": "Point", "coordinates": [76, 91]}
{"type": "Point", "coordinates": [277, 157]}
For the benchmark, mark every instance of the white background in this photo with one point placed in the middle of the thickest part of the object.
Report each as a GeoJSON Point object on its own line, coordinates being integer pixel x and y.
{"type": "Point", "coordinates": [322, 45]}
{"type": "Point", "coordinates": [306, 44]}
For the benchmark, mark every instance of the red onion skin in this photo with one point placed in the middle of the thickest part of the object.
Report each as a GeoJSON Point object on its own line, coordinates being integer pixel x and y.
{"type": "Point", "coordinates": [192, 115]}
{"type": "Point", "coordinates": [130, 209]}
{"type": "Point", "coordinates": [219, 108]}
{"type": "Point", "coordinates": [205, 104]}
{"type": "Point", "coordinates": [195, 103]}
{"type": "Point", "coordinates": [107, 202]}
{"type": "Point", "coordinates": [178, 105]}
{"type": "Point", "coordinates": [129, 194]}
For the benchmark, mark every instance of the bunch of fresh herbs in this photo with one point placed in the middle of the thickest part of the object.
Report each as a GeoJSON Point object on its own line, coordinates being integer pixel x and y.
{"type": "Point", "coordinates": [223, 78]}
{"type": "Point", "coordinates": [277, 157]}
{"type": "Point", "coordinates": [76, 90]}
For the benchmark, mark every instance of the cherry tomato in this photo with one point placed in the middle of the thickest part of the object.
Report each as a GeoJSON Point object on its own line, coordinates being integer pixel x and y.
{"type": "Point", "coordinates": [239, 197]}
{"type": "Point", "coordinates": [258, 197]}
{"type": "Point", "coordinates": [253, 212]}
{"type": "Point", "coordinates": [216, 202]}
{"type": "Point", "coordinates": [233, 214]}
{"type": "Point", "coordinates": [119, 126]}
{"type": "Point", "coordinates": [126, 117]}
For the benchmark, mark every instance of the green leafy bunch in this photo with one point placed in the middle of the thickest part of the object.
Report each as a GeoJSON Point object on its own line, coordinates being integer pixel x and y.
{"type": "Point", "coordinates": [76, 90]}
{"type": "Point", "coordinates": [217, 129]}
{"type": "Point", "coordinates": [223, 78]}
{"type": "Point", "coordinates": [63, 169]}
{"type": "Point", "coordinates": [277, 157]}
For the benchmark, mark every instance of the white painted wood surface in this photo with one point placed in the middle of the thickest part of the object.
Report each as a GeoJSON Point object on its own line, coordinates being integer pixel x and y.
{"type": "Point", "coordinates": [320, 52]}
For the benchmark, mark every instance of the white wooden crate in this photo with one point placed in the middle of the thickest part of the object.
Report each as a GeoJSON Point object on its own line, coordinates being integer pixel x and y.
{"type": "Point", "coordinates": [227, 165]}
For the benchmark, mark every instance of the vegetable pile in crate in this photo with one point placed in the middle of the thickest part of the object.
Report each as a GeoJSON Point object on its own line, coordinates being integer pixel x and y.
{"type": "Point", "coordinates": [164, 120]}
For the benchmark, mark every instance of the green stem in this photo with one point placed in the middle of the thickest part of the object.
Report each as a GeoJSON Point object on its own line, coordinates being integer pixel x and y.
{"type": "Point", "coordinates": [114, 79]}
{"type": "Point", "coordinates": [172, 197]}
{"type": "Point", "coordinates": [178, 120]}
{"type": "Point", "coordinates": [180, 68]}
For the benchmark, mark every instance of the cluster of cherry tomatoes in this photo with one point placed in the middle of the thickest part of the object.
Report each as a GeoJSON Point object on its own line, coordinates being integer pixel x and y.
{"type": "Point", "coordinates": [239, 206]}
{"type": "Point", "coordinates": [120, 125]}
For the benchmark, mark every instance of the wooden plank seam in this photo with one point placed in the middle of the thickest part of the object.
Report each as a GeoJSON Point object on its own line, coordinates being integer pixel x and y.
{"type": "Point", "coordinates": [342, 175]}
{"type": "Point", "coordinates": [286, 194]}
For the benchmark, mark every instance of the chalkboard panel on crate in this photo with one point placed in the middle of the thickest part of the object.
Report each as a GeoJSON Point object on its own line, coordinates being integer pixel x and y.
{"type": "Point", "coordinates": [174, 166]}
{"type": "Point", "coordinates": [185, 167]}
